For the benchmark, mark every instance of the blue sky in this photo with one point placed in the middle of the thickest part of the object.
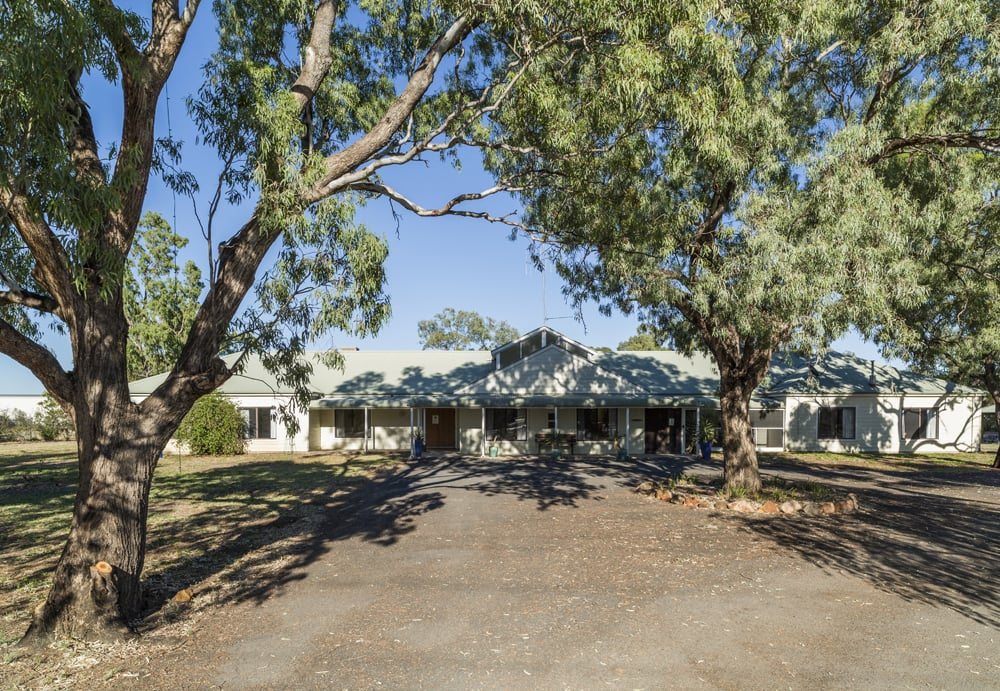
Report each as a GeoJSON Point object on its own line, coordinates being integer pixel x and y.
{"type": "Point", "coordinates": [433, 263]}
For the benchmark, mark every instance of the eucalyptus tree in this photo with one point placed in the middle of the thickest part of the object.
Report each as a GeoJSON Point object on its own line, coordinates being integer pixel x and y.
{"type": "Point", "coordinates": [161, 297]}
{"type": "Point", "coordinates": [305, 104]}
{"type": "Point", "coordinates": [718, 167]}
{"type": "Point", "coordinates": [452, 329]}
{"type": "Point", "coordinates": [950, 326]}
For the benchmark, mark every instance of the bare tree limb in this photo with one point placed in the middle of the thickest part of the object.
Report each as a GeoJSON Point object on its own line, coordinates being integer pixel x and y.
{"type": "Point", "coordinates": [448, 208]}
{"type": "Point", "coordinates": [51, 263]}
{"type": "Point", "coordinates": [38, 360]}
{"type": "Point", "coordinates": [36, 301]}
{"type": "Point", "coordinates": [376, 138]}
{"type": "Point", "coordinates": [317, 58]}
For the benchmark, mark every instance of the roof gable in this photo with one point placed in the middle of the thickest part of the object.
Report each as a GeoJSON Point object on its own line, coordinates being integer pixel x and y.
{"type": "Point", "coordinates": [551, 371]}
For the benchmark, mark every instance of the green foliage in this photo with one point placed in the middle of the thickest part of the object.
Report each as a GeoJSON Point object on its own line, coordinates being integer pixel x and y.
{"type": "Point", "coordinates": [708, 432]}
{"type": "Point", "coordinates": [642, 340]}
{"type": "Point", "coordinates": [452, 329]}
{"type": "Point", "coordinates": [721, 167]}
{"type": "Point", "coordinates": [16, 425]}
{"type": "Point", "coordinates": [161, 298]}
{"type": "Point", "coordinates": [51, 421]}
{"type": "Point", "coordinates": [213, 427]}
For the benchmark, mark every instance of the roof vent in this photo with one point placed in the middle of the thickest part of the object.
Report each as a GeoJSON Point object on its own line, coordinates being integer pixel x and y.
{"type": "Point", "coordinates": [871, 376]}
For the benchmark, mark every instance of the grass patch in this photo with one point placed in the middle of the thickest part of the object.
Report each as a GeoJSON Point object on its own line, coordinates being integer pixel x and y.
{"type": "Point", "coordinates": [887, 462]}
{"type": "Point", "coordinates": [199, 508]}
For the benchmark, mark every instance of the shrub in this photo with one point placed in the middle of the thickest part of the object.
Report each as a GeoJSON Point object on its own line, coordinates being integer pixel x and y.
{"type": "Point", "coordinates": [51, 421]}
{"type": "Point", "coordinates": [213, 427]}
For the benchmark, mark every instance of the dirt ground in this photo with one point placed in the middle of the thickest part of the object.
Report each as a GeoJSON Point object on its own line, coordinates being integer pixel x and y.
{"type": "Point", "coordinates": [508, 574]}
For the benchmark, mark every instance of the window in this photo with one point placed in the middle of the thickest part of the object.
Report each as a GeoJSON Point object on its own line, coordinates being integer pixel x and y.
{"type": "Point", "coordinates": [768, 426]}
{"type": "Point", "coordinates": [836, 423]}
{"type": "Point", "coordinates": [596, 424]}
{"type": "Point", "coordinates": [507, 424]}
{"type": "Point", "coordinates": [258, 423]}
{"type": "Point", "coordinates": [920, 423]}
{"type": "Point", "coordinates": [349, 423]}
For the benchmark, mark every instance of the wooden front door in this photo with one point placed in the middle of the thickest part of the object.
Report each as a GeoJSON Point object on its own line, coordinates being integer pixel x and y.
{"type": "Point", "coordinates": [440, 428]}
{"type": "Point", "coordinates": [663, 430]}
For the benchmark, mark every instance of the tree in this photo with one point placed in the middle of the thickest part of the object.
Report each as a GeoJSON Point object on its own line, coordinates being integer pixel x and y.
{"type": "Point", "coordinates": [160, 299]}
{"type": "Point", "coordinates": [642, 340]}
{"type": "Point", "coordinates": [719, 169]}
{"type": "Point", "coordinates": [951, 326]}
{"type": "Point", "coordinates": [305, 104]}
{"type": "Point", "coordinates": [452, 329]}
{"type": "Point", "coordinates": [213, 427]}
{"type": "Point", "coordinates": [51, 421]}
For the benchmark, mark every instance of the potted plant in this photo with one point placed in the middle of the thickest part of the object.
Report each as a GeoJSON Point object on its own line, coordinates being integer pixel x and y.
{"type": "Point", "coordinates": [418, 443]}
{"type": "Point", "coordinates": [494, 447]}
{"type": "Point", "coordinates": [706, 435]}
{"type": "Point", "coordinates": [622, 452]}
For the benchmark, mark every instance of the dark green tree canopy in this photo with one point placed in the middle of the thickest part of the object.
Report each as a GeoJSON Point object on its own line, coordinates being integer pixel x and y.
{"type": "Point", "coordinates": [723, 168]}
{"type": "Point", "coordinates": [452, 329]}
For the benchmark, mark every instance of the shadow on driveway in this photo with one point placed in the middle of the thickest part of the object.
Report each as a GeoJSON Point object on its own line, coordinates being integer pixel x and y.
{"type": "Point", "coordinates": [912, 538]}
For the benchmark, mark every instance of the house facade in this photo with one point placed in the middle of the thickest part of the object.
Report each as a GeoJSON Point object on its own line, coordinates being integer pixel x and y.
{"type": "Point", "coordinates": [545, 391]}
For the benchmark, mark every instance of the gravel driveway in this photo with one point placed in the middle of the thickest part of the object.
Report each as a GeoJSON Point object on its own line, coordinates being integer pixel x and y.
{"type": "Point", "coordinates": [526, 574]}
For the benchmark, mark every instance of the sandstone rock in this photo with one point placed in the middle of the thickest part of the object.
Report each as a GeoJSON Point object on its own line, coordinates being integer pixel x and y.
{"type": "Point", "coordinates": [853, 499]}
{"type": "Point", "coordinates": [721, 506]}
{"type": "Point", "coordinates": [691, 501]}
{"type": "Point", "coordinates": [769, 507]}
{"type": "Point", "coordinates": [827, 507]}
{"type": "Point", "coordinates": [646, 487]}
{"type": "Point", "coordinates": [664, 494]}
{"type": "Point", "coordinates": [843, 506]}
{"type": "Point", "coordinates": [743, 506]}
{"type": "Point", "coordinates": [184, 595]}
{"type": "Point", "coordinates": [811, 508]}
{"type": "Point", "coordinates": [790, 507]}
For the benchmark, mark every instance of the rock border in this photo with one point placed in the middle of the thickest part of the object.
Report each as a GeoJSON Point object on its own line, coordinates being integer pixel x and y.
{"type": "Point", "coordinates": [699, 497]}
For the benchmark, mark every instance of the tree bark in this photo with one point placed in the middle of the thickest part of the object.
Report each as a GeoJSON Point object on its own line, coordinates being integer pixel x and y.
{"type": "Point", "coordinates": [108, 525]}
{"type": "Point", "coordinates": [738, 448]}
{"type": "Point", "coordinates": [96, 589]}
{"type": "Point", "coordinates": [996, 415]}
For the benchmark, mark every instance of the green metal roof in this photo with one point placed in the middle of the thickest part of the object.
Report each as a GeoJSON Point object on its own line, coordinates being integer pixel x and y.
{"type": "Point", "coordinates": [844, 373]}
{"type": "Point", "coordinates": [654, 378]}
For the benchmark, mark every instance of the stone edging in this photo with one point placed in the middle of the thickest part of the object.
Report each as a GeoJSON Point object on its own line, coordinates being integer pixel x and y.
{"type": "Point", "coordinates": [700, 498]}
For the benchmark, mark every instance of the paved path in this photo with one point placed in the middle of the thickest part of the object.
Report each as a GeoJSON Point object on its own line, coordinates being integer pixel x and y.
{"type": "Point", "coordinates": [506, 575]}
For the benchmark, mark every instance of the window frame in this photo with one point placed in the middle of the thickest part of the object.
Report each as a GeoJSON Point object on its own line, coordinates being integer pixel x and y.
{"type": "Point", "coordinates": [583, 431]}
{"type": "Point", "coordinates": [925, 416]}
{"type": "Point", "coordinates": [519, 423]}
{"type": "Point", "coordinates": [253, 426]}
{"type": "Point", "coordinates": [838, 432]}
{"type": "Point", "coordinates": [338, 427]}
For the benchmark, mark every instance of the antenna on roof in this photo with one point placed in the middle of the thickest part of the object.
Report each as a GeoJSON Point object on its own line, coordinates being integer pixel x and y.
{"type": "Point", "coordinates": [545, 312]}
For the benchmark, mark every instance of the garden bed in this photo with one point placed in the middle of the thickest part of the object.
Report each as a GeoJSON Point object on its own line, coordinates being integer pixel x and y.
{"type": "Point", "coordinates": [777, 497]}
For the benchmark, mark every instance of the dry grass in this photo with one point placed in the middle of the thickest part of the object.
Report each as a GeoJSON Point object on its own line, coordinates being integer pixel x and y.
{"type": "Point", "coordinates": [205, 513]}
{"type": "Point", "coordinates": [888, 462]}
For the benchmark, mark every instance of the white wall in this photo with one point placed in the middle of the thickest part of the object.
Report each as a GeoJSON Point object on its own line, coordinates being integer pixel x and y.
{"type": "Point", "coordinates": [26, 402]}
{"type": "Point", "coordinates": [879, 423]}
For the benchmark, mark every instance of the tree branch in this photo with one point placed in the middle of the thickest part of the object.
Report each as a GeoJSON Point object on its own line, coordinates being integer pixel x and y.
{"type": "Point", "coordinates": [376, 138]}
{"type": "Point", "coordinates": [983, 140]}
{"type": "Point", "coordinates": [36, 301]}
{"type": "Point", "coordinates": [38, 360]}
{"type": "Point", "coordinates": [51, 263]}
{"type": "Point", "coordinates": [448, 208]}
{"type": "Point", "coordinates": [317, 58]}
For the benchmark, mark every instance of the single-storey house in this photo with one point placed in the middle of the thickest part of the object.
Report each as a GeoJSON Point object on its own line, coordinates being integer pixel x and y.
{"type": "Point", "coordinates": [545, 388]}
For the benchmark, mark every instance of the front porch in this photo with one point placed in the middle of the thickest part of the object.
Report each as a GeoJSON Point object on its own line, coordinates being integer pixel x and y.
{"type": "Point", "coordinates": [509, 431]}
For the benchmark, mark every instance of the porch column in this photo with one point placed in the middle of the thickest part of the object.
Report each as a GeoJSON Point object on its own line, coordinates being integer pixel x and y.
{"type": "Point", "coordinates": [411, 434]}
{"type": "Point", "coordinates": [684, 418]}
{"type": "Point", "coordinates": [697, 425]}
{"type": "Point", "coordinates": [628, 430]}
{"type": "Point", "coordinates": [366, 430]}
{"type": "Point", "coordinates": [482, 433]}
{"type": "Point", "coordinates": [555, 420]}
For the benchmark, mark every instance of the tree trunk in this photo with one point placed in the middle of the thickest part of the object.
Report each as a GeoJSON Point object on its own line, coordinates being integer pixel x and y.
{"type": "Point", "coordinates": [109, 525]}
{"type": "Point", "coordinates": [996, 415]}
{"type": "Point", "coordinates": [739, 450]}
